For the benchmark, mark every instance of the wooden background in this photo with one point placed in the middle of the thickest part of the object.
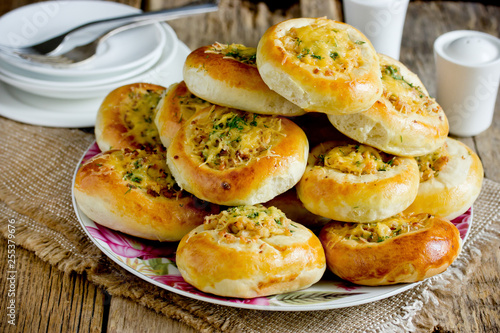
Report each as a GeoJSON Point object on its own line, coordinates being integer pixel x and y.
{"type": "Point", "coordinates": [50, 301]}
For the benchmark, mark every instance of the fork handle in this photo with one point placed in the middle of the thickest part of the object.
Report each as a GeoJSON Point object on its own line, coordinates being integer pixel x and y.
{"type": "Point", "coordinates": [197, 7]}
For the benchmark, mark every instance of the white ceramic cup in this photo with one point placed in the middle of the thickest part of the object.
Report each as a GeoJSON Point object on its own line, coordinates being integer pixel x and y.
{"type": "Point", "coordinates": [381, 21]}
{"type": "Point", "coordinates": [467, 76]}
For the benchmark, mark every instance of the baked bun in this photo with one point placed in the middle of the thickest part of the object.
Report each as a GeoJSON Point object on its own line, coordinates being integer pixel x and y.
{"type": "Point", "coordinates": [227, 75]}
{"type": "Point", "coordinates": [320, 65]}
{"type": "Point", "coordinates": [250, 251]}
{"type": "Point", "coordinates": [177, 105]}
{"type": "Point", "coordinates": [357, 183]}
{"type": "Point", "coordinates": [405, 121]}
{"type": "Point", "coordinates": [450, 181]}
{"type": "Point", "coordinates": [132, 191]}
{"type": "Point", "coordinates": [400, 249]}
{"type": "Point", "coordinates": [231, 157]}
{"type": "Point", "coordinates": [294, 209]}
{"type": "Point", "coordinates": [125, 117]}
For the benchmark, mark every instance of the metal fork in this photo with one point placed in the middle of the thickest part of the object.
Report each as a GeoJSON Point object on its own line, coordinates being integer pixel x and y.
{"type": "Point", "coordinates": [45, 52]}
{"type": "Point", "coordinates": [80, 54]}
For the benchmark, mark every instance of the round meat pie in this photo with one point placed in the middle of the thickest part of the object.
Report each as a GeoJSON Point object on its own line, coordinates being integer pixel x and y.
{"type": "Point", "coordinates": [321, 65]}
{"type": "Point", "coordinates": [133, 191]}
{"type": "Point", "coordinates": [125, 118]}
{"type": "Point", "coordinates": [232, 157]}
{"type": "Point", "coordinates": [250, 251]}
{"type": "Point", "coordinates": [400, 249]}
{"type": "Point", "coordinates": [450, 181]}
{"type": "Point", "coordinates": [405, 121]}
{"type": "Point", "coordinates": [352, 182]}
{"type": "Point", "coordinates": [227, 75]}
{"type": "Point", "coordinates": [176, 106]}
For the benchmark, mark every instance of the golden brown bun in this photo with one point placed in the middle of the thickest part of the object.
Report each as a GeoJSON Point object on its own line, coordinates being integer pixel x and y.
{"type": "Point", "coordinates": [176, 106]}
{"type": "Point", "coordinates": [294, 209]}
{"type": "Point", "coordinates": [425, 251]}
{"type": "Point", "coordinates": [114, 189]}
{"type": "Point", "coordinates": [342, 184]}
{"type": "Point", "coordinates": [227, 75]}
{"type": "Point", "coordinates": [232, 157]}
{"type": "Point", "coordinates": [125, 117]}
{"type": "Point", "coordinates": [419, 130]}
{"type": "Point", "coordinates": [320, 65]}
{"type": "Point", "coordinates": [454, 188]}
{"type": "Point", "coordinates": [252, 253]}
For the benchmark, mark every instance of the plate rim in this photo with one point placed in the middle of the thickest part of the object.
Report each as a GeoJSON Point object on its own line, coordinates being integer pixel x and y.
{"type": "Point", "coordinates": [54, 118]}
{"type": "Point", "coordinates": [394, 289]}
{"type": "Point", "coordinates": [69, 72]}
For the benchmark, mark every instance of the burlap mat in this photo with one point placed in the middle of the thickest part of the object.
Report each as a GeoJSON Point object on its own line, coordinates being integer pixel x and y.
{"type": "Point", "coordinates": [36, 169]}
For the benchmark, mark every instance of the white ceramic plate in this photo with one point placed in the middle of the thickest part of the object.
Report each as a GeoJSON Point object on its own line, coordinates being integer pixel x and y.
{"type": "Point", "coordinates": [154, 262]}
{"type": "Point", "coordinates": [28, 80]}
{"type": "Point", "coordinates": [44, 111]}
{"type": "Point", "coordinates": [92, 91]}
{"type": "Point", "coordinates": [39, 21]}
{"type": "Point", "coordinates": [31, 80]}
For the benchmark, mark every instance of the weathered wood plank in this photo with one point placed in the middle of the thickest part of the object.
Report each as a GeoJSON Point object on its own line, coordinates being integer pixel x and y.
{"type": "Point", "coordinates": [52, 301]}
{"type": "Point", "coordinates": [488, 146]}
{"type": "Point", "coordinates": [475, 309]}
{"type": "Point", "coordinates": [123, 316]}
{"type": "Point", "coordinates": [47, 300]}
{"type": "Point", "coordinates": [332, 9]}
{"type": "Point", "coordinates": [237, 21]}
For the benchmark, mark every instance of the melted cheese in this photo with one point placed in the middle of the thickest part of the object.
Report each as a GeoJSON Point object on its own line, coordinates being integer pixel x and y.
{"type": "Point", "coordinates": [356, 159]}
{"type": "Point", "coordinates": [138, 111]}
{"type": "Point", "coordinates": [382, 230]}
{"type": "Point", "coordinates": [430, 164]}
{"type": "Point", "coordinates": [331, 50]}
{"type": "Point", "coordinates": [238, 52]}
{"type": "Point", "coordinates": [189, 104]}
{"type": "Point", "coordinates": [403, 95]}
{"type": "Point", "coordinates": [145, 170]}
{"type": "Point", "coordinates": [249, 223]}
{"type": "Point", "coordinates": [227, 138]}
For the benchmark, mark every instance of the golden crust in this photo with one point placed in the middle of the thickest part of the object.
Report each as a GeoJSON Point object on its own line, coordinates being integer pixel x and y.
{"type": "Point", "coordinates": [176, 106]}
{"type": "Point", "coordinates": [227, 81]}
{"type": "Point", "coordinates": [409, 257]}
{"type": "Point", "coordinates": [105, 195]}
{"type": "Point", "coordinates": [409, 125]}
{"type": "Point", "coordinates": [118, 126]}
{"type": "Point", "coordinates": [216, 261]}
{"type": "Point", "coordinates": [336, 74]}
{"type": "Point", "coordinates": [453, 189]}
{"type": "Point", "coordinates": [264, 170]}
{"type": "Point", "coordinates": [363, 198]}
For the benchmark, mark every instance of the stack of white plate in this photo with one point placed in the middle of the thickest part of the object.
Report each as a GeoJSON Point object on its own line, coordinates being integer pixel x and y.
{"type": "Point", "coordinates": [69, 97]}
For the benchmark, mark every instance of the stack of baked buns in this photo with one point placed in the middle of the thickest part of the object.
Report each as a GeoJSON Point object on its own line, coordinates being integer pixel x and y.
{"type": "Point", "coordinates": [271, 164]}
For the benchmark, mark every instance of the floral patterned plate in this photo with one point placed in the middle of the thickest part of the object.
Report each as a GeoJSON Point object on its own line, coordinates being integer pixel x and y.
{"type": "Point", "coordinates": [154, 262]}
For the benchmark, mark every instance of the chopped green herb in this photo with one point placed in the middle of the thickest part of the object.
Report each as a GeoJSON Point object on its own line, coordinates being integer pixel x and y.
{"type": "Point", "coordinates": [334, 55]}
{"type": "Point", "coordinates": [136, 179]}
{"type": "Point", "coordinates": [253, 215]}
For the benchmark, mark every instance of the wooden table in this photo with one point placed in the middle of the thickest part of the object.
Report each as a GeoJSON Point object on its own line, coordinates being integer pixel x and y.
{"type": "Point", "coordinates": [58, 302]}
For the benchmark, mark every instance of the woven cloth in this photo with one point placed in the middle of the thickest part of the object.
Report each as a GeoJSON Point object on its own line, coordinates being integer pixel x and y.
{"type": "Point", "coordinates": [36, 170]}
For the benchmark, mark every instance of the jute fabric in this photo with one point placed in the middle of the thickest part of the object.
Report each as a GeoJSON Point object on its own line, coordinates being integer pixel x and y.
{"type": "Point", "coordinates": [36, 170]}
